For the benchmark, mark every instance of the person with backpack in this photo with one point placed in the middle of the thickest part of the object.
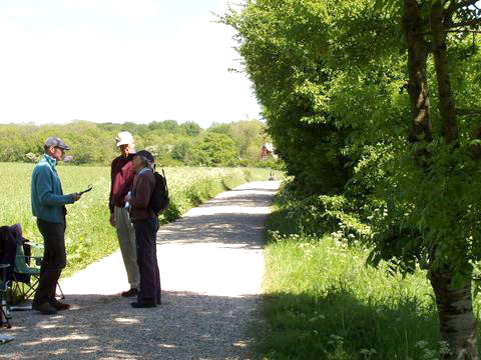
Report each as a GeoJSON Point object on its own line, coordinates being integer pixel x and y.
{"type": "Point", "coordinates": [140, 202]}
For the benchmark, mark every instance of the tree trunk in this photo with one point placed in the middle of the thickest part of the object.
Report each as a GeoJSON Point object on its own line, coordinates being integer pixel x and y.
{"type": "Point", "coordinates": [456, 320]}
{"type": "Point", "coordinates": [457, 324]}
{"type": "Point", "coordinates": [455, 307]}
{"type": "Point", "coordinates": [417, 84]}
{"type": "Point", "coordinates": [447, 109]}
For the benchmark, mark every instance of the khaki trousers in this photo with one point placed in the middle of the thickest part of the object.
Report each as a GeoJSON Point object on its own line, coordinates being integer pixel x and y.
{"type": "Point", "coordinates": [128, 246]}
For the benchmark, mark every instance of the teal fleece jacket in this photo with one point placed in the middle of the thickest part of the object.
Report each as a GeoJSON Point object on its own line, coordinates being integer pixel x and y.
{"type": "Point", "coordinates": [48, 200]}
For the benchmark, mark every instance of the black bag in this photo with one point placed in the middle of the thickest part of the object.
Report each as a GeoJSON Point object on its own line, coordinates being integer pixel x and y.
{"type": "Point", "coordinates": [160, 198]}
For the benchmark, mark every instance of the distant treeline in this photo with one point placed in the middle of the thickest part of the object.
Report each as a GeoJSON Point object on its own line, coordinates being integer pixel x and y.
{"type": "Point", "coordinates": [234, 144]}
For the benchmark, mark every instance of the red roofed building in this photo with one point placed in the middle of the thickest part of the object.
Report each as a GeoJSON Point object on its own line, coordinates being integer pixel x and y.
{"type": "Point", "coordinates": [267, 150]}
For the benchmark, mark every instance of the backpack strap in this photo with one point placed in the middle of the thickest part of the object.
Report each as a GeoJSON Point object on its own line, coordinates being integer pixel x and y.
{"type": "Point", "coordinates": [165, 178]}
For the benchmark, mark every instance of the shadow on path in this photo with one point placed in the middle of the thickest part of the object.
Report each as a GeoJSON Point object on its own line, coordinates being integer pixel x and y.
{"type": "Point", "coordinates": [228, 229]}
{"type": "Point", "coordinates": [237, 218]}
{"type": "Point", "coordinates": [186, 326]}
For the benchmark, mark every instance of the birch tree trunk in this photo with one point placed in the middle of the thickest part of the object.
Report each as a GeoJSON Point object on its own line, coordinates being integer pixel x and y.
{"type": "Point", "coordinates": [455, 306]}
{"type": "Point", "coordinates": [457, 324]}
{"type": "Point", "coordinates": [456, 319]}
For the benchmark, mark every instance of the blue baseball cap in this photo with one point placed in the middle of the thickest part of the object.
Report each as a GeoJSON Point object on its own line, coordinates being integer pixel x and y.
{"type": "Point", "coordinates": [56, 142]}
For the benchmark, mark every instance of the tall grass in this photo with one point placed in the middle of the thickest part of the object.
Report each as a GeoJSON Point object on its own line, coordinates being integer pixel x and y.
{"type": "Point", "coordinates": [322, 302]}
{"type": "Point", "coordinates": [89, 236]}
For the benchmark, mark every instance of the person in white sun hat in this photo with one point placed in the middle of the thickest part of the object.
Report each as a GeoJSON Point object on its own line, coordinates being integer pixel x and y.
{"type": "Point", "coordinates": [122, 177]}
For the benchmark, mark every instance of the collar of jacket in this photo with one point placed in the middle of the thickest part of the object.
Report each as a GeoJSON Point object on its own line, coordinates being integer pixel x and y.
{"type": "Point", "coordinates": [50, 160]}
{"type": "Point", "coordinates": [145, 169]}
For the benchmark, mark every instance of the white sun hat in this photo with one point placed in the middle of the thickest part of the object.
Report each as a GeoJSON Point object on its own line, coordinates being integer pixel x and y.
{"type": "Point", "coordinates": [124, 138]}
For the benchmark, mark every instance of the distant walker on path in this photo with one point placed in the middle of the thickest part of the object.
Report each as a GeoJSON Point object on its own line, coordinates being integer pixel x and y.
{"type": "Point", "coordinates": [48, 206]}
{"type": "Point", "coordinates": [122, 178]}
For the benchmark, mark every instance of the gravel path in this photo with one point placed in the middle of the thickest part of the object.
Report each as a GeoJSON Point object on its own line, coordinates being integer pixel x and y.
{"type": "Point", "coordinates": [211, 266]}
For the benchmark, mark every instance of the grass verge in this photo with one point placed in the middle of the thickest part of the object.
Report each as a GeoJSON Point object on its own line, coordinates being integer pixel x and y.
{"type": "Point", "coordinates": [322, 302]}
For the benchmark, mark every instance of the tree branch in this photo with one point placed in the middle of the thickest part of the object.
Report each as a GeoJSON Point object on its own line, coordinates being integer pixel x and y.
{"type": "Point", "coordinates": [472, 111]}
{"type": "Point", "coordinates": [455, 31]}
{"type": "Point", "coordinates": [464, 31]}
{"type": "Point", "coordinates": [472, 22]}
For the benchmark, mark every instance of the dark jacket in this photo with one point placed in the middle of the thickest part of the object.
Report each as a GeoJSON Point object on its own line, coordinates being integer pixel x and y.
{"type": "Point", "coordinates": [122, 177]}
{"type": "Point", "coordinates": [142, 192]}
{"type": "Point", "coordinates": [10, 238]}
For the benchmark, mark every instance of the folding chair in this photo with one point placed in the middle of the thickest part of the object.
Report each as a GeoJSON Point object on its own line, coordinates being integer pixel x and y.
{"type": "Point", "coordinates": [25, 277]}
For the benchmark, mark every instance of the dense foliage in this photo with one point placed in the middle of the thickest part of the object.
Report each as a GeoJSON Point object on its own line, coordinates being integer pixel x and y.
{"type": "Point", "coordinates": [293, 84]}
{"type": "Point", "coordinates": [238, 144]}
{"type": "Point", "coordinates": [375, 101]}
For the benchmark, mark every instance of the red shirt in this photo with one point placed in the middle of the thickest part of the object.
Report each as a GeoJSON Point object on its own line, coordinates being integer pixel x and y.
{"type": "Point", "coordinates": [122, 178]}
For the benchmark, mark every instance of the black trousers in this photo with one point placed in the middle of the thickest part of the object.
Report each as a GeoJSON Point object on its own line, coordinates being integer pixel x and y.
{"type": "Point", "coordinates": [145, 237]}
{"type": "Point", "coordinates": [54, 260]}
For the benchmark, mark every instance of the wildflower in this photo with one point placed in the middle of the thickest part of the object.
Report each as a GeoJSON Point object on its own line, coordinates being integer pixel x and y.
{"type": "Point", "coordinates": [421, 344]}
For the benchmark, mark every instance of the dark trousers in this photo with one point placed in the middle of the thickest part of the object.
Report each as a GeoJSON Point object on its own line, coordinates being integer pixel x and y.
{"type": "Point", "coordinates": [145, 237]}
{"type": "Point", "coordinates": [54, 260]}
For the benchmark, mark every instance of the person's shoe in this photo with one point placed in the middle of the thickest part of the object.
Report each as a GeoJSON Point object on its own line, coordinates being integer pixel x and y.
{"type": "Point", "coordinates": [130, 293]}
{"type": "Point", "coordinates": [45, 308]}
{"type": "Point", "coordinates": [138, 305]}
{"type": "Point", "coordinates": [58, 305]}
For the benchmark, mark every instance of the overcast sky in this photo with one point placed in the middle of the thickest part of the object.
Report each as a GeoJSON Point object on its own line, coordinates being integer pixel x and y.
{"type": "Point", "coordinates": [119, 60]}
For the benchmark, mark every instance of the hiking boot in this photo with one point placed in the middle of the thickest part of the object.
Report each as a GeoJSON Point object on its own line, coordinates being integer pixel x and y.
{"type": "Point", "coordinates": [45, 308]}
{"type": "Point", "coordinates": [58, 305]}
{"type": "Point", "coordinates": [130, 293]}
{"type": "Point", "coordinates": [140, 304]}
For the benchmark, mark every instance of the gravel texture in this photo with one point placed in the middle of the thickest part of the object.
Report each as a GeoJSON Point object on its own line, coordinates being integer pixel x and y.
{"type": "Point", "coordinates": [211, 267]}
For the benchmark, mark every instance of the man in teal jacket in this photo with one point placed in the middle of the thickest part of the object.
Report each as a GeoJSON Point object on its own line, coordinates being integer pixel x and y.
{"type": "Point", "coordinates": [48, 206]}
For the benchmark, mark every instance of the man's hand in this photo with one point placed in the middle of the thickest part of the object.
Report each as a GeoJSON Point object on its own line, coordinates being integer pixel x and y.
{"type": "Point", "coordinates": [76, 197]}
{"type": "Point", "coordinates": [112, 220]}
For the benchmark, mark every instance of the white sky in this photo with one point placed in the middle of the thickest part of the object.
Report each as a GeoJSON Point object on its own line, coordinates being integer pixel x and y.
{"type": "Point", "coordinates": [119, 60]}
